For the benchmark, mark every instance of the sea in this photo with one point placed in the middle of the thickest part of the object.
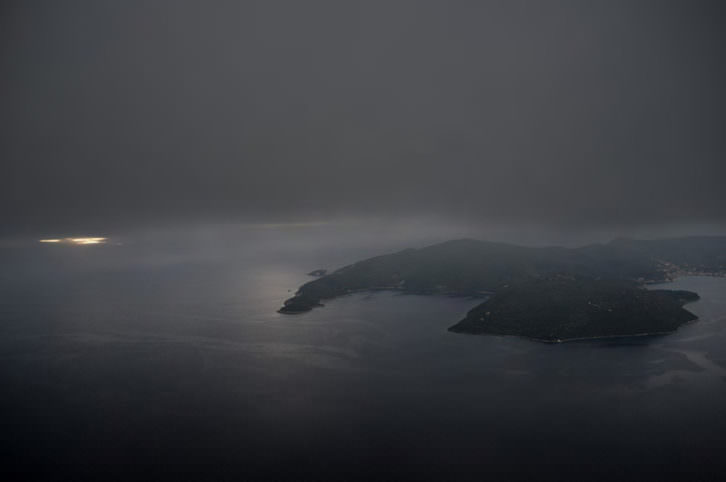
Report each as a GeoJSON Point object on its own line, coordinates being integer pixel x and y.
{"type": "Point", "coordinates": [160, 355]}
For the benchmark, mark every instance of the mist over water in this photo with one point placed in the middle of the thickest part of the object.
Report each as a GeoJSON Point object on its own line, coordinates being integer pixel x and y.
{"type": "Point", "coordinates": [162, 353]}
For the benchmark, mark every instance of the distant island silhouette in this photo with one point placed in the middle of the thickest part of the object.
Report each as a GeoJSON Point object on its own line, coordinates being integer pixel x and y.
{"type": "Point", "coordinates": [550, 294]}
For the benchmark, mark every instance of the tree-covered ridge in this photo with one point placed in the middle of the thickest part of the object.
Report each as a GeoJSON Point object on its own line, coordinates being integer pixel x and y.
{"type": "Point", "coordinates": [562, 308]}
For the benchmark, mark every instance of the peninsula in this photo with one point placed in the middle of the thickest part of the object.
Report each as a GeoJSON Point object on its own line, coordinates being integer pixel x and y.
{"type": "Point", "coordinates": [546, 293]}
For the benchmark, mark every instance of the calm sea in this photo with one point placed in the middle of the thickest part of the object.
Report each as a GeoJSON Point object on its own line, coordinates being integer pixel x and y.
{"type": "Point", "coordinates": [162, 356]}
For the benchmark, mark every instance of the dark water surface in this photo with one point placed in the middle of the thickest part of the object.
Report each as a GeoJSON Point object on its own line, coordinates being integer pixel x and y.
{"type": "Point", "coordinates": [161, 358]}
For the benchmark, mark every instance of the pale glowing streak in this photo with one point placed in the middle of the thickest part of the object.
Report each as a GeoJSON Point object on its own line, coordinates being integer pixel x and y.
{"type": "Point", "coordinates": [77, 241]}
{"type": "Point", "coordinates": [88, 240]}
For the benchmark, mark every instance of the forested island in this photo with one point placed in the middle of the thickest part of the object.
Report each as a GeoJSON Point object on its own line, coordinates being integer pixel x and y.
{"type": "Point", "coordinates": [563, 308]}
{"type": "Point", "coordinates": [550, 293]}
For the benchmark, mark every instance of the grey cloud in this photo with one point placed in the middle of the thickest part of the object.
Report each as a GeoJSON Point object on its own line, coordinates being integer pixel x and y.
{"type": "Point", "coordinates": [560, 113]}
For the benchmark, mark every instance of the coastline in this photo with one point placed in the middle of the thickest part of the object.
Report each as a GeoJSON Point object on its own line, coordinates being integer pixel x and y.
{"type": "Point", "coordinates": [649, 284]}
{"type": "Point", "coordinates": [595, 338]}
{"type": "Point", "coordinates": [583, 338]}
{"type": "Point", "coordinates": [586, 338]}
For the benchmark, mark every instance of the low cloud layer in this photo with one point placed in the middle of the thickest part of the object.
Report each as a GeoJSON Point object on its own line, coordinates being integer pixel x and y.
{"type": "Point", "coordinates": [558, 113]}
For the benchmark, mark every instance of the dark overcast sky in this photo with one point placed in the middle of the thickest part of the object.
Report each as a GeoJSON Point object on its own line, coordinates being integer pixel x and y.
{"type": "Point", "coordinates": [567, 113]}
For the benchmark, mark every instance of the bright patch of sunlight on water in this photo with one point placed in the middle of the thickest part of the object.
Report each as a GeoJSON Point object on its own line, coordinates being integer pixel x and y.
{"type": "Point", "coordinates": [76, 241]}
